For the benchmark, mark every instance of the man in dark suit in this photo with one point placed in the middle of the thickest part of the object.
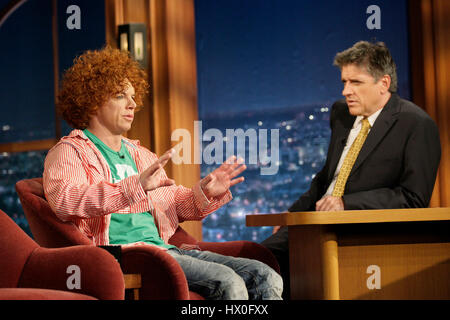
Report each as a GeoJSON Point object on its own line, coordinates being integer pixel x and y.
{"type": "Point", "coordinates": [393, 164]}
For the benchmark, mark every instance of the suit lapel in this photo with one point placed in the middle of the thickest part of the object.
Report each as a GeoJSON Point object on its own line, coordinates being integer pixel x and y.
{"type": "Point", "coordinates": [387, 117]}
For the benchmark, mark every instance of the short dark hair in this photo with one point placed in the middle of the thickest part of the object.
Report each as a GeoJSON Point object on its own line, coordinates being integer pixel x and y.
{"type": "Point", "coordinates": [375, 57]}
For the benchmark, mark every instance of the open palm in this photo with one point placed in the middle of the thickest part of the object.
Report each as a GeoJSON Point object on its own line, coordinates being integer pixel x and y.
{"type": "Point", "coordinates": [220, 180]}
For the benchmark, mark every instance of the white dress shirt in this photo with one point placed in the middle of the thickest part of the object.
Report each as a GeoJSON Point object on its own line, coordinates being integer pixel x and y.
{"type": "Point", "coordinates": [351, 137]}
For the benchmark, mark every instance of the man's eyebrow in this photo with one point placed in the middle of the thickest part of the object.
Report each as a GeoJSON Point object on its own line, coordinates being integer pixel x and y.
{"type": "Point", "coordinates": [351, 80]}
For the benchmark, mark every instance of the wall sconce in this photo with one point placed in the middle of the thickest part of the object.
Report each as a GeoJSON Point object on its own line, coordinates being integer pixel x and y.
{"type": "Point", "coordinates": [133, 38]}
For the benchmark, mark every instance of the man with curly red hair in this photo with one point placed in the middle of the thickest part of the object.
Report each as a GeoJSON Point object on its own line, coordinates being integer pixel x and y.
{"type": "Point", "coordinates": [117, 191]}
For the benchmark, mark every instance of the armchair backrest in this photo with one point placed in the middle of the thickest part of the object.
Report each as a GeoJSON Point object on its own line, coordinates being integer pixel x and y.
{"type": "Point", "coordinates": [47, 229]}
{"type": "Point", "coordinates": [182, 238]}
{"type": "Point", "coordinates": [15, 248]}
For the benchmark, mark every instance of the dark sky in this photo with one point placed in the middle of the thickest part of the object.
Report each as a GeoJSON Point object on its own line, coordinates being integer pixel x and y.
{"type": "Point", "coordinates": [258, 54]}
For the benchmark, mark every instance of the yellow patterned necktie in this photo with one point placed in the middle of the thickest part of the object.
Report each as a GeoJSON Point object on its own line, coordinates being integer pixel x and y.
{"type": "Point", "coordinates": [350, 159]}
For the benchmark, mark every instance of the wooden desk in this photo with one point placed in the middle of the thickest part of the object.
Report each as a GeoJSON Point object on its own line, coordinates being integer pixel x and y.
{"type": "Point", "coordinates": [339, 255]}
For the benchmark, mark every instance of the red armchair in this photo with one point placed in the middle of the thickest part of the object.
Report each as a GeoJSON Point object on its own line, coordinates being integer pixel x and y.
{"type": "Point", "coordinates": [162, 277]}
{"type": "Point", "coordinates": [28, 271]}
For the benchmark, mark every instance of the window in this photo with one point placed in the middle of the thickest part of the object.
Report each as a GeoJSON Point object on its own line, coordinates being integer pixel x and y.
{"type": "Point", "coordinates": [268, 65]}
{"type": "Point", "coordinates": [27, 107]}
{"type": "Point", "coordinates": [14, 167]}
{"type": "Point", "coordinates": [28, 126]}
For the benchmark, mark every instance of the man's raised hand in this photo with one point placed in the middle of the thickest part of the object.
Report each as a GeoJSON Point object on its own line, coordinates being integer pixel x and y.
{"type": "Point", "coordinates": [150, 178]}
{"type": "Point", "coordinates": [220, 180]}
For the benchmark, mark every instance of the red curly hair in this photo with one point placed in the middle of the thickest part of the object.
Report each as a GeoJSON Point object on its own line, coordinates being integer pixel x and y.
{"type": "Point", "coordinates": [95, 77]}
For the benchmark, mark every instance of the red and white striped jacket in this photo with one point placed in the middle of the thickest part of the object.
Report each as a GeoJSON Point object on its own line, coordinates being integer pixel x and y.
{"type": "Point", "coordinates": [78, 188]}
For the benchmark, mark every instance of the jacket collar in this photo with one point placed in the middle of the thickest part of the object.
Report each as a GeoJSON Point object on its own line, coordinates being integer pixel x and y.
{"type": "Point", "coordinates": [77, 133]}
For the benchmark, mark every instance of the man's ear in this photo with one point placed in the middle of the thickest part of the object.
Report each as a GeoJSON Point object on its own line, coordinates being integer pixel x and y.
{"type": "Point", "coordinates": [385, 82]}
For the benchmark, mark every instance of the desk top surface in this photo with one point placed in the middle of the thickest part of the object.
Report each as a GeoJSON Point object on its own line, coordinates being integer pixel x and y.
{"type": "Point", "coordinates": [349, 216]}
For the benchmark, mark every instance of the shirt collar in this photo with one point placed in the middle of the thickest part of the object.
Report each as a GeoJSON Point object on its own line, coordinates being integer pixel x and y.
{"type": "Point", "coordinates": [371, 118]}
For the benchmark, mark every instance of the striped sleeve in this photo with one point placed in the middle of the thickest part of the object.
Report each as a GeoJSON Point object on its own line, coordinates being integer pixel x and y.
{"type": "Point", "coordinates": [192, 204]}
{"type": "Point", "coordinates": [71, 192]}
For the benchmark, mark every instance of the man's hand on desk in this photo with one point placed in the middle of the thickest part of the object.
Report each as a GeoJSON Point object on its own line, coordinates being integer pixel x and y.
{"type": "Point", "coordinates": [330, 203]}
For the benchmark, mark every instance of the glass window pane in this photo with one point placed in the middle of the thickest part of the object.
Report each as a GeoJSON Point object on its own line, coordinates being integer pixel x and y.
{"type": "Point", "coordinates": [15, 167]}
{"type": "Point", "coordinates": [268, 65]}
{"type": "Point", "coordinates": [26, 80]}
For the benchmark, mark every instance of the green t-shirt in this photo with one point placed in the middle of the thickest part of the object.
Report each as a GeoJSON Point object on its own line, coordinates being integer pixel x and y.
{"type": "Point", "coordinates": [126, 228]}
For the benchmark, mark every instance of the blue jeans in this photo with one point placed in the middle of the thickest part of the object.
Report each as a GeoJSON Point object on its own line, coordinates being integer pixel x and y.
{"type": "Point", "coordinates": [219, 277]}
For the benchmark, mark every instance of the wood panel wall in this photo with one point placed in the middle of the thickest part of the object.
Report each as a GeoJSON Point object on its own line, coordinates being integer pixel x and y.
{"type": "Point", "coordinates": [430, 67]}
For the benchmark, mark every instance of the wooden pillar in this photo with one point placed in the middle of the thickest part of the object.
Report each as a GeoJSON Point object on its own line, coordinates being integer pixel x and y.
{"type": "Point", "coordinates": [182, 70]}
{"type": "Point", "coordinates": [313, 254]}
{"type": "Point", "coordinates": [430, 56]}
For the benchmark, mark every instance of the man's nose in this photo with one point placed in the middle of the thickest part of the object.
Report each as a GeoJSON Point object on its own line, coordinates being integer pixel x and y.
{"type": "Point", "coordinates": [347, 90]}
{"type": "Point", "coordinates": [131, 103]}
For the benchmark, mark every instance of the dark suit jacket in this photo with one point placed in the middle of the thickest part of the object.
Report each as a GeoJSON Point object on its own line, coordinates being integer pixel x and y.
{"type": "Point", "coordinates": [396, 167]}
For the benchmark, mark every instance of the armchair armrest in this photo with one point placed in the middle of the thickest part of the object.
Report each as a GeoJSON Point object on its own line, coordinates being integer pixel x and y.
{"type": "Point", "coordinates": [161, 275]}
{"type": "Point", "coordinates": [244, 249]}
{"type": "Point", "coordinates": [40, 294]}
{"type": "Point", "coordinates": [99, 273]}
